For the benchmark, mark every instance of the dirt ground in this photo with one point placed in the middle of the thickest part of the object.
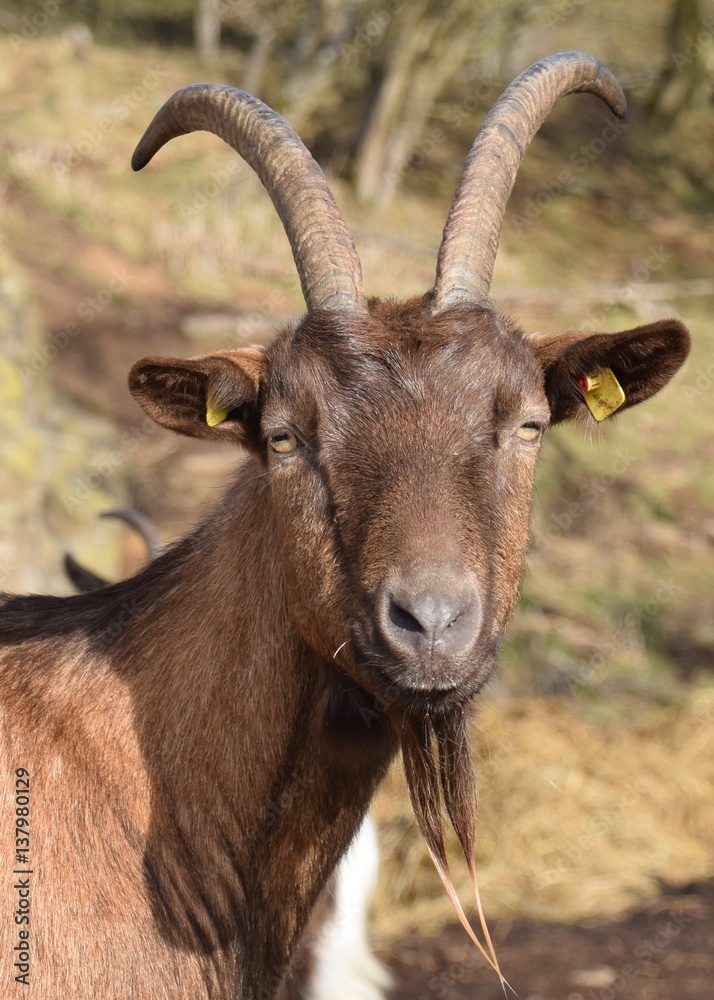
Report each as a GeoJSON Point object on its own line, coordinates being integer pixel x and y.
{"type": "Point", "coordinates": [663, 952]}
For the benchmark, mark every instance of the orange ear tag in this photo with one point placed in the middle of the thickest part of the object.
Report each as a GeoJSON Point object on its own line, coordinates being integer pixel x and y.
{"type": "Point", "coordinates": [603, 393]}
{"type": "Point", "coordinates": [214, 415]}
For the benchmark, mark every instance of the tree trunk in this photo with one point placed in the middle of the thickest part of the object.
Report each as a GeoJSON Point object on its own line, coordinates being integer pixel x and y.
{"type": "Point", "coordinates": [683, 84]}
{"type": "Point", "coordinates": [320, 60]}
{"type": "Point", "coordinates": [392, 98]}
{"type": "Point", "coordinates": [257, 60]}
{"type": "Point", "coordinates": [207, 30]}
{"type": "Point", "coordinates": [429, 53]}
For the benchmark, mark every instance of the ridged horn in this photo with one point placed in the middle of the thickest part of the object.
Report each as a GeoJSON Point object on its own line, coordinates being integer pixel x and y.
{"type": "Point", "coordinates": [468, 248]}
{"type": "Point", "coordinates": [322, 245]}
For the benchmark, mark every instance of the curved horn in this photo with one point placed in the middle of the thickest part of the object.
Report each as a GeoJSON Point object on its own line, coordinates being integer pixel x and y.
{"type": "Point", "coordinates": [468, 247]}
{"type": "Point", "coordinates": [322, 246]}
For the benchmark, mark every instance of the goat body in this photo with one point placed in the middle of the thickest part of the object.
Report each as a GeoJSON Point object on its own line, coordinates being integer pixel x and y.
{"type": "Point", "coordinates": [334, 957]}
{"type": "Point", "coordinates": [180, 774]}
{"type": "Point", "coordinates": [203, 740]}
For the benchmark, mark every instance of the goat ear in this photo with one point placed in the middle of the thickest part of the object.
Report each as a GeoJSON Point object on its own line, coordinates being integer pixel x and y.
{"type": "Point", "coordinates": [642, 360]}
{"type": "Point", "coordinates": [214, 396]}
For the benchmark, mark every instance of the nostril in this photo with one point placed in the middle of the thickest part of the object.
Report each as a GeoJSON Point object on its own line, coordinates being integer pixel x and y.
{"type": "Point", "coordinates": [426, 614]}
{"type": "Point", "coordinates": [403, 619]}
{"type": "Point", "coordinates": [430, 612]}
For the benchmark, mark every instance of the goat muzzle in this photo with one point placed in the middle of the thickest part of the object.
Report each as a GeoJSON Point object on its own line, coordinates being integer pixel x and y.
{"type": "Point", "coordinates": [430, 616]}
{"type": "Point", "coordinates": [418, 642]}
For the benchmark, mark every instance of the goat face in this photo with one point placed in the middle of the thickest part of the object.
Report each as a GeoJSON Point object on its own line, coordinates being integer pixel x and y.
{"type": "Point", "coordinates": [404, 507]}
{"type": "Point", "coordinates": [400, 449]}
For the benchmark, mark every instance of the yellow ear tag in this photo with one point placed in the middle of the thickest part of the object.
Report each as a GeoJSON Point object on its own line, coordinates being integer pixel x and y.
{"type": "Point", "coordinates": [603, 393]}
{"type": "Point", "coordinates": [214, 415]}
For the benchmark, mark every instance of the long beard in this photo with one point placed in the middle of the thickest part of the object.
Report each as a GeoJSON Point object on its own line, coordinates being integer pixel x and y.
{"type": "Point", "coordinates": [439, 770]}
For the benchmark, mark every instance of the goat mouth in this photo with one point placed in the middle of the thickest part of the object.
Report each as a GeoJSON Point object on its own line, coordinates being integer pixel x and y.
{"type": "Point", "coordinates": [425, 697]}
{"type": "Point", "coordinates": [418, 687]}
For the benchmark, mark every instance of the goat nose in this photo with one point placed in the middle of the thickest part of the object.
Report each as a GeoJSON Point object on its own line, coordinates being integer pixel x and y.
{"type": "Point", "coordinates": [443, 616]}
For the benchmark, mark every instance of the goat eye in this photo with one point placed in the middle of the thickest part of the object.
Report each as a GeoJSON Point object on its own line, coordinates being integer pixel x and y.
{"type": "Point", "coordinates": [529, 432]}
{"type": "Point", "coordinates": [283, 442]}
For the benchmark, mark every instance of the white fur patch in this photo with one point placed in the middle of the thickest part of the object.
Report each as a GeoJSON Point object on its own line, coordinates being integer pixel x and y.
{"type": "Point", "coordinates": [345, 966]}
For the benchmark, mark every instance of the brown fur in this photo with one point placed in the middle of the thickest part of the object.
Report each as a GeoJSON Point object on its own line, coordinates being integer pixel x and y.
{"type": "Point", "coordinates": [200, 753]}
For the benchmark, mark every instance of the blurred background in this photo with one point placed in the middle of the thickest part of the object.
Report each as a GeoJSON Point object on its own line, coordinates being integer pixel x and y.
{"type": "Point", "coordinates": [595, 745]}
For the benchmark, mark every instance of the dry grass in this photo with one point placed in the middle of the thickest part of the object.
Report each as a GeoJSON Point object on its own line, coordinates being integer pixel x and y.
{"type": "Point", "coordinates": [576, 820]}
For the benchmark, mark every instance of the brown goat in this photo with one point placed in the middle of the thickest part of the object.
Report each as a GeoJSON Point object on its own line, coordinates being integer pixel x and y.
{"type": "Point", "coordinates": [201, 742]}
